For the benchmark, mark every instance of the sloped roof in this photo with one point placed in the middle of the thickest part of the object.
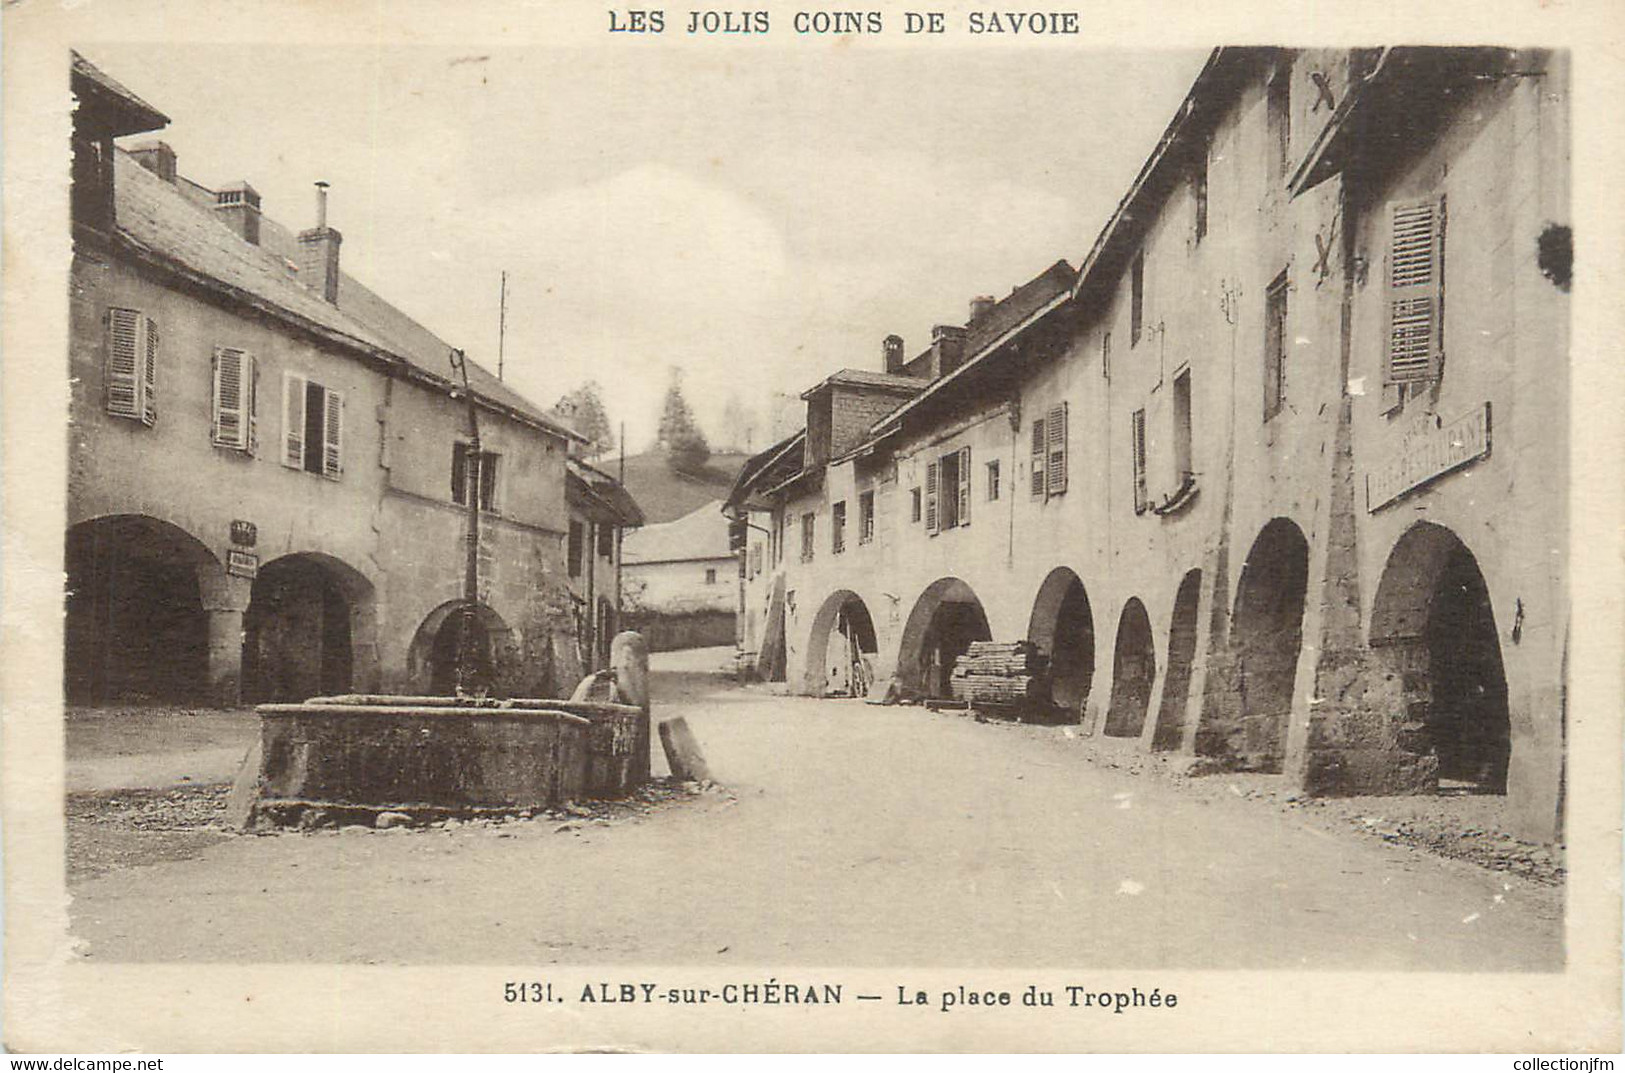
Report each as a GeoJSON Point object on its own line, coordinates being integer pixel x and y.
{"type": "Point", "coordinates": [701, 534]}
{"type": "Point", "coordinates": [136, 115]}
{"type": "Point", "coordinates": [162, 219]}
{"type": "Point", "coordinates": [889, 383]}
{"type": "Point", "coordinates": [599, 495]}
{"type": "Point", "coordinates": [665, 494]}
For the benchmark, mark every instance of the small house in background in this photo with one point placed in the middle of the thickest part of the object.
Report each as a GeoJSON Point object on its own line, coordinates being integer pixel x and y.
{"type": "Point", "coordinates": [600, 511]}
{"type": "Point", "coordinates": [679, 581]}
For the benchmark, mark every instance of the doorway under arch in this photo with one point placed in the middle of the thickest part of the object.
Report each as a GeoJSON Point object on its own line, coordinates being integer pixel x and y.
{"type": "Point", "coordinates": [299, 629]}
{"type": "Point", "coordinates": [1433, 628]}
{"type": "Point", "coordinates": [1266, 637]}
{"type": "Point", "coordinates": [1134, 669]}
{"type": "Point", "coordinates": [1063, 627]}
{"type": "Point", "coordinates": [457, 633]}
{"type": "Point", "coordinates": [1169, 732]}
{"type": "Point", "coordinates": [946, 618]}
{"type": "Point", "coordinates": [841, 648]}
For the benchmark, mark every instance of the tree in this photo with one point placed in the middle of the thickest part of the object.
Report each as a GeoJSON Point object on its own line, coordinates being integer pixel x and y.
{"type": "Point", "coordinates": [738, 425]}
{"type": "Point", "coordinates": [584, 409]}
{"type": "Point", "coordinates": [680, 434]}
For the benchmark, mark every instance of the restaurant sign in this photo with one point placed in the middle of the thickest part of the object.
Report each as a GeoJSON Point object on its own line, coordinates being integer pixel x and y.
{"type": "Point", "coordinates": [1429, 450]}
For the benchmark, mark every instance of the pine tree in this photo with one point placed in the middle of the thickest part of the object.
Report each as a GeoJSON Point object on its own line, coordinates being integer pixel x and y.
{"type": "Point", "coordinates": [680, 434]}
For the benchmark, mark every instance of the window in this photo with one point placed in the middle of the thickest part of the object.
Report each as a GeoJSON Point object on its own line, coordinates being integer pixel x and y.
{"type": "Point", "coordinates": [1275, 347]}
{"type": "Point", "coordinates": [838, 527]}
{"type": "Point", "coordinates": [913, 504]}
{"type": "Point", "coordinates": [235, 401]}
{"type": "Point", "coordinates": [462, 474]}
{"type": "Point", "coordinates": [1280, 116]}
{"type": "Point", "coordinates": [606, 541]}
{"type": "Point", "coordinates": [755, 560]}
{"type": "Point", "coordinates": [866, 517]}
{"type": "Point", "coordinates": [1199, 192]}
{"type": "Point", "coordinates": [131, 372]}
{"type": "Point", "coordinates": [710, 575]}
{"type": "Point", "coordinates": [778, 537]}
{"type": "Point", "coordinates": [573, 548]}
{"type": "Point", "coordinates": [1184, 471]}
{"type": "Point", "coordinates": [808, 521]}
{"type": "Point", "coordinates": [1136, 300]}
{"type": "Point", "coordinates": [947, 491]}
{"type": "Point", "coordinates": [1415, 292]}
{"type": "Point", "coordinates": [312, 427]}
{"type": "Point", "coordinates": [993, 480]}
{"type": "Point", "coordinates": [1137, 454]}
{"type": "Point", "coordinates": [1049, 446]}
{"type": "Point", "coordinates": [1106, 355]}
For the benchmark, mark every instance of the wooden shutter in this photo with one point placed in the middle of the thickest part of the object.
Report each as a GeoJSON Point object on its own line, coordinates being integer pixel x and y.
{"type": "Point", "coordinates": [123, 375]}
{"type": "Point", "coordinates": [1055, 464]}
{"type": "Point", "coordinates": [1415, 278]}
{"type": "Point", "coordinates": [233, 397]}
{"type": "Point", "coordinates": [1138, 455]}
{"type": "Point", "coordinates": [149, 373]}
{"type": "Point", "coordinates": [931, 471]}
{"type": "Point", "coordinates": [293, 420]}
{"type": "Point", "coordinates": [1037, 464]}
{"type": "Point", "coordinates": [333, 436]}
{"type": "Point", "coordinates": [964, 485]}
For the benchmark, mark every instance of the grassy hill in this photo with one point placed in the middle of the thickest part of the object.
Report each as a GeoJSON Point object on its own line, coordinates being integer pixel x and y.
{"type": "Point", "coordinates": [665, 494]}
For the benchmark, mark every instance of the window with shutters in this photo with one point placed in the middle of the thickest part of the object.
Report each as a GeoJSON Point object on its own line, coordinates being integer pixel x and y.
{"type": "Point", "coordinates": [235, 399]}
{"type": "Point", "coordinates": [1275, 346]}
{"type": "Point", "coordinates": [1055, 466]}
{"type": "Point", "coordinates": [932, 478]}
{"type": "Point", "coordinates": [948, 491]}
{"type": "Point", "coordinates": [837, 527]}
{"type": "Point", "coordinates": [866, 517]}
{"type": "Point", "coordinates": [1035, 466]}
{"type": "Point", "coordinates": [1137, 457]}
{"type": "Point", "coordinates": [809, 522]}
{"type": "Point", "coordinates": [463, 467]}
{"type": "Point", "coordinates": [1184, 467]}
{"type": "Point", "coordinates": [606, 541]}
{"type": "Point", "coordinates": [573, 548]}
{"type": "Point", "coordinates": [1136, 299]}
{"type": "Point", "coordinates": [312, 427]}
{"type": "Point", "coordinates": [1415, 292]}
{"type": "Point", "coordinates": [130, 375]}
{"type": "Point", "coordinates": [992, 480]}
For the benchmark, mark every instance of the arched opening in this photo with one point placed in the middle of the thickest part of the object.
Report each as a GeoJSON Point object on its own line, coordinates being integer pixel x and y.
{"type": "Point", "coordinates": [458, 644]}
{"type": "Point", "coordinates": [841, 648]}
{"type": "Point", "coordinates": [1134, 669]}
{"type": "Point", "coordinates": [135, 627]}
{"type": "Point", "coordinates": [1170, 728]}
{"type": "Point", "coordinates": [1063, 628]}
{"type": "Point", "coordinates": [1433, 629]}
{"type": "Point", "coordinates": [1265, 638]}
{"type": "Point", "coordinates": [946, 619]}
{"type": "Point", "coordinates": [298, 631]}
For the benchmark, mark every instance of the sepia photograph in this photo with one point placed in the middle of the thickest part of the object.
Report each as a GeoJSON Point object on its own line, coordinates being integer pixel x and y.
{"type": "Point", "coordinates": [812, 501]}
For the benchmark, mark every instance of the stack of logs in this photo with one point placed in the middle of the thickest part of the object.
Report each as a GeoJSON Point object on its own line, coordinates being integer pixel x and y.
{"type": "Point", "coordinates": [1001, 676]}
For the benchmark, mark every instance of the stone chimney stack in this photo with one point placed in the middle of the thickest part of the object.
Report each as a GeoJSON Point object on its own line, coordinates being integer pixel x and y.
{"type": "Point", "coordinates": [980, 306]}
{"type": "Point", "coordinates": [319, 252]}
{"type": "Point", "coordinates": [156, 157]}
{"type": "Point", "coordinates": [892, 348]}
{"type": "Point", "coordinates": [947, 349]}
{"type": "Point", "coordinates": [239, 207]}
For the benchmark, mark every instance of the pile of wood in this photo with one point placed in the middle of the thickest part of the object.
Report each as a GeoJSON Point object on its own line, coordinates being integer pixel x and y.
{"type": "Point", "coordinates": [997, 675]}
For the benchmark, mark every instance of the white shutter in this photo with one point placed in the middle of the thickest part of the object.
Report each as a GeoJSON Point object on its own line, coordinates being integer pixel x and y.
{"type": "Point", "coordinates": [123, 376]}
{"type": "Point", "coordinates": [333, 437]}
{"type": "Point", "coordinates": [1036, 465]}
{"type": "Point", "coordinates": [233, 397]}
{"type": "Point", "coordinates": [293, 420]}
{"type": "Point", "coordinates": [1415, 271]}
{"type": "Point", "coordinates": [964, 485]}
{"type": "Point", "coordinates": [1137, 449]}
{"type": "Point", "coordinates": [931, 471]}
{"type": "Point", "coordinates": [149, 373]}
{"type": "Point", "coordinates": [1055, 464]}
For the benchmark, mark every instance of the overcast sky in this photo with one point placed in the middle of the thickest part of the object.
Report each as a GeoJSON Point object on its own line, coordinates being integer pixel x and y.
{"type": "Point", "coordinates": [759, 218]}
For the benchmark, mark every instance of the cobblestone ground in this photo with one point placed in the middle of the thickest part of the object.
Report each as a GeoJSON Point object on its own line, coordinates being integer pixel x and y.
{"type": "Point", "coordinates": [840, 834]}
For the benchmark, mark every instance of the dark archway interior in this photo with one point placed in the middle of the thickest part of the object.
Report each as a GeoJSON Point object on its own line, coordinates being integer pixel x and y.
{"type": "Point", "coordinates": [954, 625]}
{"type": "Point", "coordinates": [464, 638]}
{"type": "Point", "coordinates": [1134, 669]}
{"type": "Point", "coordinates": [1266, 639]}
{"type": "Point", "coordinates": [296, 633]}
{"type": "Point", "coordinates": [135, 627]}
{"type": "Point", "coordinates": [1063, 628]}
{"type": "Point", "coordinates": [1434, 627]}
{"type": "Point", "coordinates": [1170, 728]}
{"type": "Point", "coordinates": [840, 658]}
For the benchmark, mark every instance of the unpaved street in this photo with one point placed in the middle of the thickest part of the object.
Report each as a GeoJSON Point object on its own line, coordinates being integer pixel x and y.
{"type": "Point", "coordinates": [847, 835]}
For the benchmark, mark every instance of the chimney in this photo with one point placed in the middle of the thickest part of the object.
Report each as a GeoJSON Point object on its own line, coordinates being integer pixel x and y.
{"type": "Point", "coordinates": [239, 207]}
{"type": "Point", "coordinates": [947, 349]}
{"type": "Point", "coordinates": [156, 157]}
{"type": "Point", "coordinates": [319, 252]}
{"type": "Point", "coordinates": [980, 306]}
{"type": "Point", "coordinates": [893, 350]}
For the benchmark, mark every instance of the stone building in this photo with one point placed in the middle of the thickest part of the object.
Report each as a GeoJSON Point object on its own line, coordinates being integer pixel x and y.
{"type": "Point", "coordinates": [1235, 476]}
{"type": "Point", "coordinates": [679, 583]}
{"type": "Point", "coordinates": [270, 465]}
